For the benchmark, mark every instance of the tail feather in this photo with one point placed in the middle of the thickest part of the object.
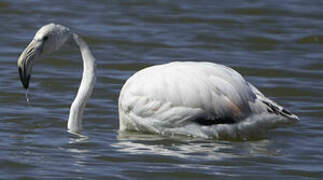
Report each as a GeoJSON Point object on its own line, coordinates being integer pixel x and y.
{"type": "Point", "coordinates": [271, 106]}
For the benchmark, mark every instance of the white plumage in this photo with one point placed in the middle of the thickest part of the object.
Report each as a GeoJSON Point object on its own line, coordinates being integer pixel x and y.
{"type": "Point", "coordinates": [189, 98]}
{"type": "Point", "coordinates": [197, 99]}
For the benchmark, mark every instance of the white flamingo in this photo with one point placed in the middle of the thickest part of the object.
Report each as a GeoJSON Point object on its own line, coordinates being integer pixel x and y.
{"type": "Point", "coordinates": [190, 98]}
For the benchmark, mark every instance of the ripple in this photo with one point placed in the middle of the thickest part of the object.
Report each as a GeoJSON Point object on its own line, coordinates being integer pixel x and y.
{"type": "Point", "coordinates": [4, 4]}
{"type": "Point", "coordinates": [312, 39]}
{"type": "Point", "coordinates": [275, 44]}
{"type": "Point", "coordinates": [257, 11]}
{"type": "Point", "coordinates": [13, 165]}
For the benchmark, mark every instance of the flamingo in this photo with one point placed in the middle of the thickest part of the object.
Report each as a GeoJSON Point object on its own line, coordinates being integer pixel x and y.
{"type": "Point", "coordinates": [200, 99]}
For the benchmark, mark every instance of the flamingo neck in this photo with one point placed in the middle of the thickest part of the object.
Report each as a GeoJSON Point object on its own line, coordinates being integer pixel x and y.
{"type": "Point", "coordinates": [85, 90]}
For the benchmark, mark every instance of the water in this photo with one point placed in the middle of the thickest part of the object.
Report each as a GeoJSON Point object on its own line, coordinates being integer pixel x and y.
{"type": "Point", "coordinates": [276, 45]}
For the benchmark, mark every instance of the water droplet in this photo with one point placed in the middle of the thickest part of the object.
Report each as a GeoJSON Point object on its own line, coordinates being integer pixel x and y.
{"type": "Point", "coordinates": [27, 98]}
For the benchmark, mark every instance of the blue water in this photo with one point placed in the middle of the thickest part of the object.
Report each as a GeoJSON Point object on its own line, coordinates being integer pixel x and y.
{"type": "Point", "coordinates": [276, 45]}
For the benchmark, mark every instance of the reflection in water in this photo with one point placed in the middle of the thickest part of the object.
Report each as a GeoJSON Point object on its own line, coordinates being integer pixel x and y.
{"type": "Point", "coordinates": [78, 137]}
{"type": "Point", "coordinates": [193, 149]}
{"type": "Point", "coordinates": [77, 151]}
{"type": "Point", "coordinates": [197, 151]}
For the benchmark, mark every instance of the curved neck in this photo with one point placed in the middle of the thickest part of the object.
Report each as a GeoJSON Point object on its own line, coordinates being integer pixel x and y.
{"type": "Point", "coordinates": [85, 90]}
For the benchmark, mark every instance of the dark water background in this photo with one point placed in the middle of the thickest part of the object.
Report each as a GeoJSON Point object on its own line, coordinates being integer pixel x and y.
{"type": "Point", "coordinates": [277, 45]}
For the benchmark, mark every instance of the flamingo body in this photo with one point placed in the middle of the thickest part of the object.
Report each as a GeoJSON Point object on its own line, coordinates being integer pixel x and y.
{"type": "Point", "coordinates": [193, 98]}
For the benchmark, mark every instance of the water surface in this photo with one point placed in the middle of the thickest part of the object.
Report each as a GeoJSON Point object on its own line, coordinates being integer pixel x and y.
{"type": "Point", "coordinates": [276, 45]}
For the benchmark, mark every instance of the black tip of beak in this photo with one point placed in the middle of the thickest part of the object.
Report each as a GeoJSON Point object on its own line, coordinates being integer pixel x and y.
{"type": "Point", "coordinates": [24, 78]}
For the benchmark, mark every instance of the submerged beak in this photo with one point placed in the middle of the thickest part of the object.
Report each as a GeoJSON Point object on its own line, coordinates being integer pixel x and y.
{"type": "Point", "coordinates": [27, 59]}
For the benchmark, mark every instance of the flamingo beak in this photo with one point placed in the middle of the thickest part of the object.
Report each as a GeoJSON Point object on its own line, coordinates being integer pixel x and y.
{"type": "Point", "coordinates": [26, 61]}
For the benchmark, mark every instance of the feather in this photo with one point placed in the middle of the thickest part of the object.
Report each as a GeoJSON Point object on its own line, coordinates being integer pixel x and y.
{"type": "Point", "coordinates": [165, 97]}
